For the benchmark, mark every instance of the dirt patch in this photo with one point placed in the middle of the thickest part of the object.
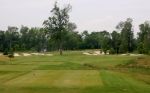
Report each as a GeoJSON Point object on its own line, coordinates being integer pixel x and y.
{"type": "Point", "coordinates": [3, 58]}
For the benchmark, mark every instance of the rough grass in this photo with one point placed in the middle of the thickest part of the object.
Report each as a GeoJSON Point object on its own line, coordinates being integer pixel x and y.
{"type": "Point", "coordinates": [75, 73]}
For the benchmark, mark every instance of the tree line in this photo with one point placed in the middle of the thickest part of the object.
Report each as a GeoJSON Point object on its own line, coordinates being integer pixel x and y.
{"type": "Point", "coordinates": [58, 33]}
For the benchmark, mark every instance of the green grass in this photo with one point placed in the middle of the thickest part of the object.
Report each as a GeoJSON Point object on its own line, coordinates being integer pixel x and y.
{"type": "Point", "coordinates": [73, 73]}
{"type": "Point", "coordinates": [57, 78]}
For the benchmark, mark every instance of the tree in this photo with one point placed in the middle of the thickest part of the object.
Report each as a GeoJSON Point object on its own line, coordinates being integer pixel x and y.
{"type": "Point", "coordinates": [2, 39]}
{"type": "Point", "coordinates": [41, 40]}
{"type": "Point", "coordinates": [57, 24]}
{"type": "Point", "coordinates": [24, 38]}
{"type": "Point", "coordinates": [11, 54]}
{"type": "Point", "coordinates": [116, 40]}
{"type": "Point", "coordinates": [126, 36]}
{"type": "Point", "coordinates": [73, 39]}
{"type": "Point", "coordinates": [144, 38]}
{"type": "Point", "coordinates": [11, 38]}
{"type": "Point", "coordinates": [105, 41]}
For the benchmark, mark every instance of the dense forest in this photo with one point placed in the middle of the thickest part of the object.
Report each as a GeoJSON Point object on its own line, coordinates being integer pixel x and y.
{"type": "Point", "coordinates": [58, 33]}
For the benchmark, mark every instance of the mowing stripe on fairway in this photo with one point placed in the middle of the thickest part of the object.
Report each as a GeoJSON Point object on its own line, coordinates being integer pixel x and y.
{"type": "Point", "coordinates": [119, 82]}
{"type": "Point", "coordinates": [58, 78]}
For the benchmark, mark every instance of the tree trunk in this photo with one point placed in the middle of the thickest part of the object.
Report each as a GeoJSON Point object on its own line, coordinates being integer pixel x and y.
{"type": "Point", "coordinates": [60, 49]}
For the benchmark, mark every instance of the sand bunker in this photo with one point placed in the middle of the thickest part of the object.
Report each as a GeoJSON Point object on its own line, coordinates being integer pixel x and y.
{"type": "Point", "coordinates": [86, 53]}
{"type": "Point", "coordinates": [94, 53]}
{"type": "Point", "coordinates": [38, 54]}
{"type": "Point", "coordinates": [136, 54]}
{"type": "Point", "coordinates": [48, 54]}
{"type": "Point", "coordinates": [34, 53]}
{"type": "Point", "coordinates": [131, 54]}
{"type": "Point", "coordinates": [26, 54]}
{"type": "Point", "coordinates": [41, 54]}
{"type": "Point", "coordinates": [30, 54]}
{"type": "Point", "coordinates": [16, 55]}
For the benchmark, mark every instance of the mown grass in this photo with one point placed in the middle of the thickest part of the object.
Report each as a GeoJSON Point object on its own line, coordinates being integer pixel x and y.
{"type": "Point", "coordinates": [75, 73]}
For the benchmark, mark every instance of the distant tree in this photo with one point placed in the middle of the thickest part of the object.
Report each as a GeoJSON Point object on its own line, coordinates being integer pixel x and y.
{"type": "Point", "coordinates": [11, 54]}
{"type": "Point", "coordinates": [41, 40]}
{"type": "Point", "coordinates": [126, 36]}
{"type": "Point", "coordinates": [144, 38]}
{"type": "Point", "coordinates": [2, 41]}
{"type": "Point", "coordinates": [24, 40]}
{"type": "Point", "coordinates": [96, 40]}
{"type": "Point", "coordinates": [85, 33]}
{"type": "Point", "coordinates": [105, 41]}
{"type": "Point", "coordinates": [91, 41]}
{"type": "Point", "coordinates": [57, 24]}
{"type": "Point", "coordinates": [72, 27]}
{"type": "Point", "coordinates": [73, 39]}
{"type": "Point", "coordinates": [116, 40]}
{"type": "Point", "coordinates": [11, 38]}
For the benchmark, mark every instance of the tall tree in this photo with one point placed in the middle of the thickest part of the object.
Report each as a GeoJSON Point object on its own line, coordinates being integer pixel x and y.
{"type": "Point", "coordinates": [57, 24]}
{"type": "Point", "coordinates": [24, 37]}
{"type": "Point", "coordinates": [12, 37]}
{"type": "Point", "coordinates": [127, 38]}
{"type": "Point", "coordinates": [105, 41]}
{"type": "Point", "coordinates": [2, 40]}
{"type": "Point", "coordinates": [144, 38]}
{"type": "Point", "coordinates": [115, 41]}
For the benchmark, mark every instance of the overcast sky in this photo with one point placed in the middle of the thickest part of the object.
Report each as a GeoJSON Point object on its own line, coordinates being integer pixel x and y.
{"type": "Point", "coordinates": [92, 15]}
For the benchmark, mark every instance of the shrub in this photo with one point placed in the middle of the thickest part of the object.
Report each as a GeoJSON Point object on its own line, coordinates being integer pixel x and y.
{"type": "Point", "coordinates": [5, 52]}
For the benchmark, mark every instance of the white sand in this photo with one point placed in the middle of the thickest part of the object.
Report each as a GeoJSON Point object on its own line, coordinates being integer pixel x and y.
{"type": "Point", "coordinates": [38, 54]}
{"type": "Point", "coordinates": [97, 52]}
{"type": "Point", "coordinates": [49, 54]}
{"type": "Point", "coordinates": [26, 54]}
{"type": "Point", "coordinates": [135, 54]}
{"type": "Point", "coordinates": [94, 54]}
{"type": "Point", "coordinates": [16, 55]}
{"type": "Point", "coordinates": [34, 53]}
{"type": "Point", "coordinates": [131, 54]}
{"type": "Point", "coordinates": [107, 53]}
{"type": "Point", "coordinates": [86, 53]}
{"type": "Point", "coordinates": [42, 54]}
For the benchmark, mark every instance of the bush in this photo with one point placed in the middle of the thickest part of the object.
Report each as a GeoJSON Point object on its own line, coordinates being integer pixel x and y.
{"type": "Point", "coordinates": [112, 51]}
{"type": "Point", "coordinates": [5, 52]}
{"type": "Point", "coordinates": [11, 54]}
